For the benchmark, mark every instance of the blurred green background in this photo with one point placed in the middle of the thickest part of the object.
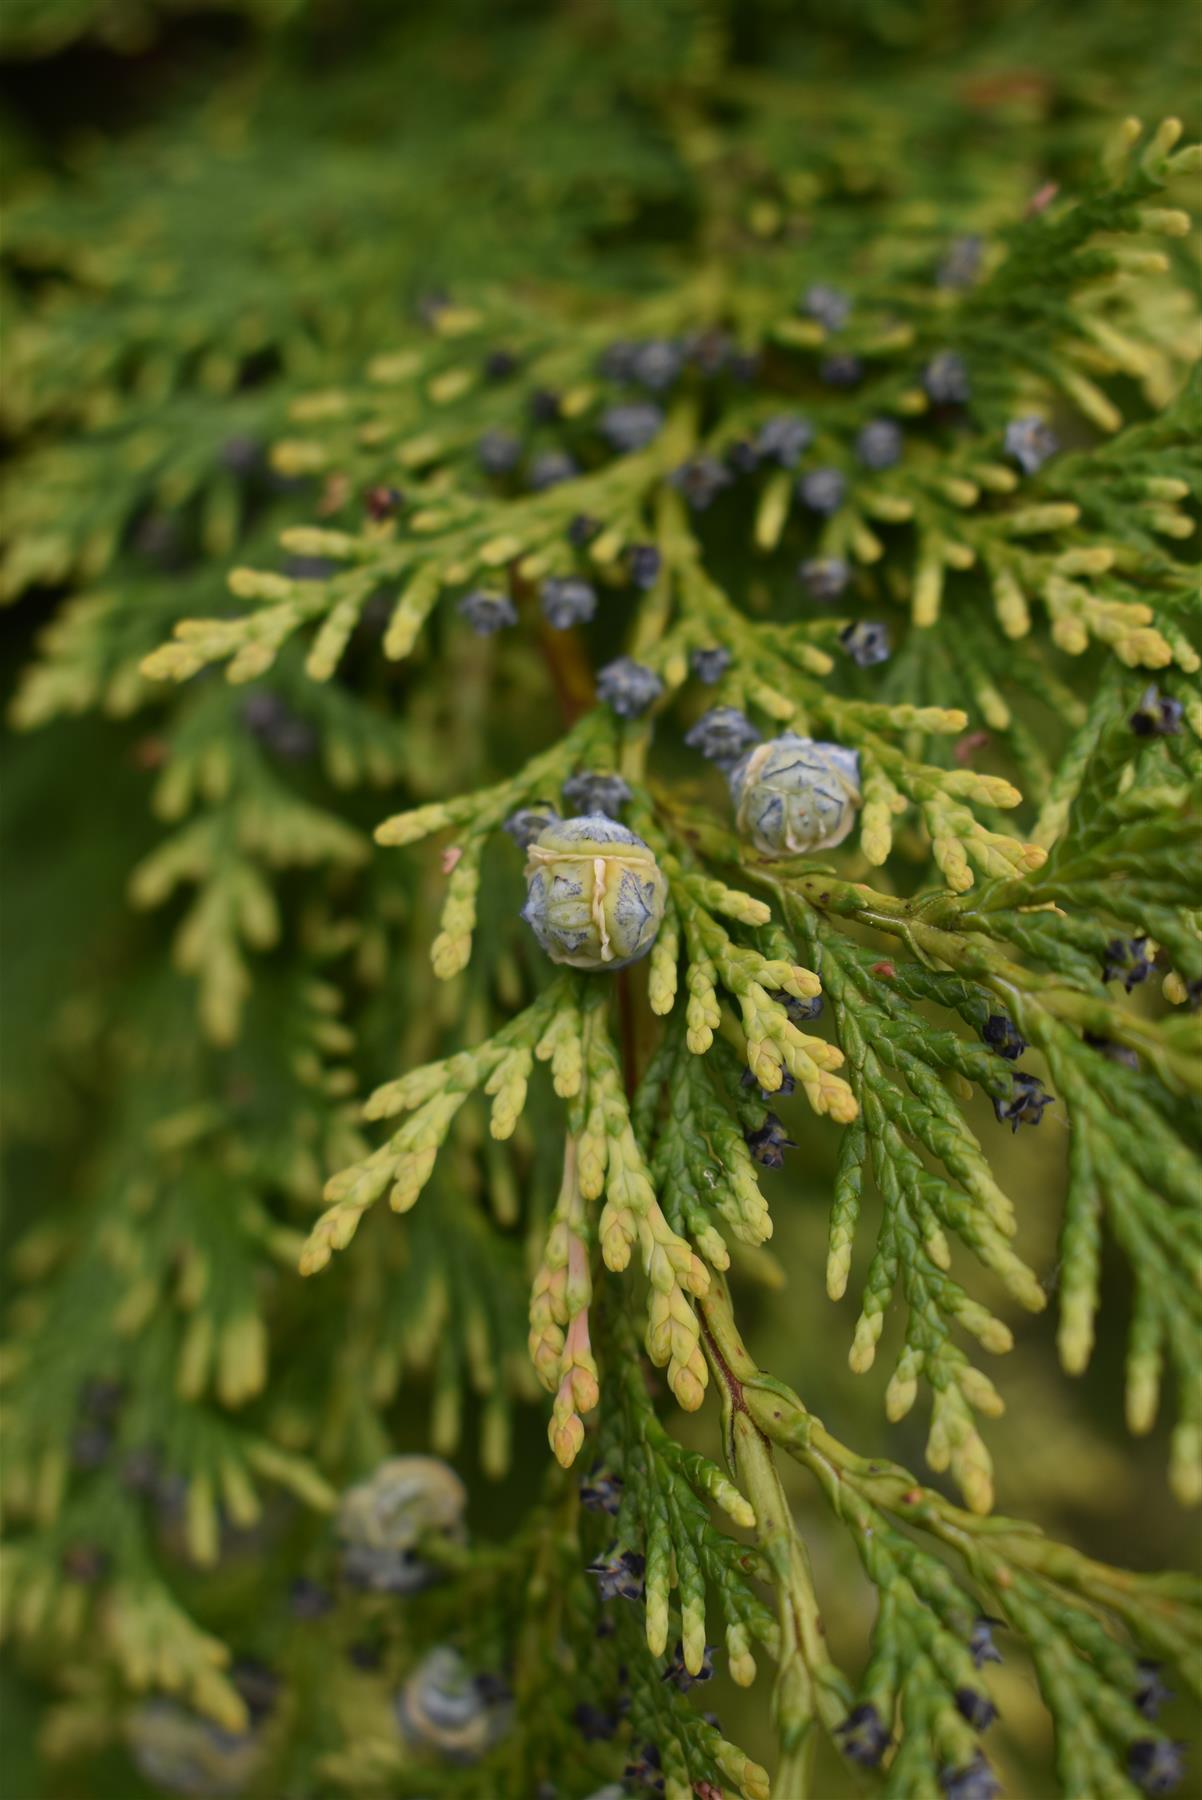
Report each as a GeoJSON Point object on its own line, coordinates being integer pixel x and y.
{"type": "Point", "coordinates": [288, 177]}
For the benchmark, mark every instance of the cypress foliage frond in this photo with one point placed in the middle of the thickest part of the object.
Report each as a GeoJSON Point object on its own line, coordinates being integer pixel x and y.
{"type": "Point", "coordinates": [609, 750]}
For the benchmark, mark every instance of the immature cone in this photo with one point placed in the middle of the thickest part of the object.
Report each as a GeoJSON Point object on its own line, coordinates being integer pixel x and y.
{"type": "Point", "coordinates": [594, 893]}
{"type": "Point", "coordinates": [380, 1521]}
{"type": "Point", "coordinates": [793, 795]}
{"type": "Point", "coordinates": [445, 1707]}
{"type": "Point", "coordinates": [184, 1753]}
{"type": "Point", "coordinates": [406, 1496]}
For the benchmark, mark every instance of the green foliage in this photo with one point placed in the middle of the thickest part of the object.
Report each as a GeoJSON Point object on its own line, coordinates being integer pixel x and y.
{"type": "Point", "coordinates": [363, 320]}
